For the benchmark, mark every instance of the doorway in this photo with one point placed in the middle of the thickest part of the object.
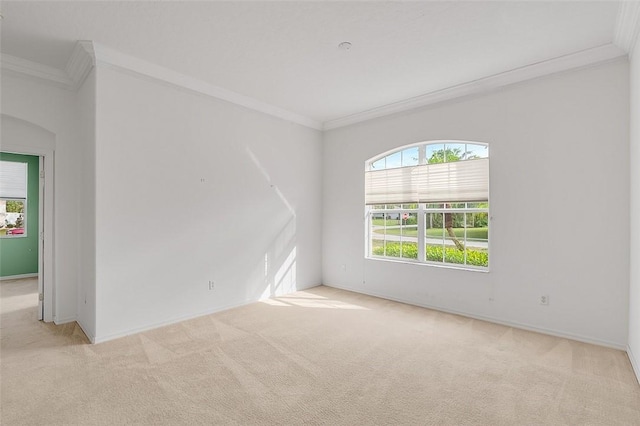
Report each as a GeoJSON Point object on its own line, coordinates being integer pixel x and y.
{"type": "Point", "coordinates": [19, 136]}
{"type": "Point", "coordinates": [21, 224]}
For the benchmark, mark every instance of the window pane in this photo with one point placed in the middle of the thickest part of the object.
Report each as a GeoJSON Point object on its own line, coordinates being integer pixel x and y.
{"type": "Point", "coordinates": [389, 232]}
{"type": "Point", "coordinates": [377, 246]}
{"type": "Point", "coordinates": [454, 255]}
{"type": "Point", "coordinates": [455, 221]}
{"type": "Point", "coordinates": [410, 250]}
{"type": "Point", "coordinates": [12, 218]}
{"type": "Point", "coordinates": [392, 248]}
{"type": "Point", "coordinates": [478, 225]}
{"type": "Point", "coordinates": [478, 257]}
{"type": "Point", "coordinates": [434, 237]}
{"type": "Point", "coordinates": [409, 235]}
{"type": "Point", "coordinates": [378, 165]}
{"type": "Point", "coordinates": [380, 246]}
{"type": "Point", "coordinates": [376, 230]}
{"type": "Point", "coordinates": [477, 151]}
{"type": "Point", "coordinates": [477, 239]}
{"type": "Point", "coordinates": [455, 152]}
{"type": "Point", "coordinates": [454, 238]}
{"type": "Point", "coordinates": [435, 206]}
{"type": "Point", "coordinates": [481, 205]}
{"type": "Point", "coordinates": [394, 160]}
{"type": "Point", "coordinates": [409, 221]}
{"type": "Point", "coordinates": [410, 157]}
{"type": "Point", "coordinates": [393, 235]}
{"type": "Point", "coordinates": [377, 219]}
{"type": "Point", "coordinates": [434, 153]}
{"type": "Point", "coordinates": [433, 225]}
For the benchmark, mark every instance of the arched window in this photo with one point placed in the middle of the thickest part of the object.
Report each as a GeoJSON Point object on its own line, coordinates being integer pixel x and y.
{"type": "Point", "coordinates": [429, 203]}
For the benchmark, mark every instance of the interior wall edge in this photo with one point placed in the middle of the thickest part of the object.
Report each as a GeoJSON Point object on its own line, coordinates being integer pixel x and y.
{"type": "Point", "coordinates": [634, 363]}
{"type": "Point", "coordinates": [90, 336]}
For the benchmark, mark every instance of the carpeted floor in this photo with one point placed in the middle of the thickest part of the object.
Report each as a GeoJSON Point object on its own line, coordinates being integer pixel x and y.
{"type": "Point", "coordinates": [322, 356]}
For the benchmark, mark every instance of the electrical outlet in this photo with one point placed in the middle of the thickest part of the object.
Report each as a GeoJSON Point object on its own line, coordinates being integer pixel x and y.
{"type": "Point", "coordinates": [544, 299]}
{"type": "Point", "coordinates": [212, 285]}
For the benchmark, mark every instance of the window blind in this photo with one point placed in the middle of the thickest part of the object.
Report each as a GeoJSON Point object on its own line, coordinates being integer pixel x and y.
{"type": "Point", "coordinates": [13, 180]}
{"type": "Point", "coordinates": [429, 183]}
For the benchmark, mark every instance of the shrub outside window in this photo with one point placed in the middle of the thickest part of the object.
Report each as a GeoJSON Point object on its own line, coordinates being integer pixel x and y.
{"type": "Point", "coordinates": [429, 203]}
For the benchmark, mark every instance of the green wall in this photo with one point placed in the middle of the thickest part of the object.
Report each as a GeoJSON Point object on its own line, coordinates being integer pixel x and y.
{"type": "Point", "coordinates": [19, 255]}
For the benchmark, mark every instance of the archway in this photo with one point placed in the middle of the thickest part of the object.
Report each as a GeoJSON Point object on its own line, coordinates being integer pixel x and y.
{"type": "Point", "coordinates": [23, 137]}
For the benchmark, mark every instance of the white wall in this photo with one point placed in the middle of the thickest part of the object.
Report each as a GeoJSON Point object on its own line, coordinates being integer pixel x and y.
{"type": "Point", "coordinates": [634, 291]}
{"type": "Point", "coordinates": [86, 112]}
{"type": "Point", "coordinates": [53, 109]}
{"type": "Point", "coordinates": [559, 202]}
{"type": "Point", "coordinates": [251, 187]}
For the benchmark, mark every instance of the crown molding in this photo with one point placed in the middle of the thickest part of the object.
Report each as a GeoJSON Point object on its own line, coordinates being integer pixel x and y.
{"type": "Point", "coordinates": [24, 67]}
{"type": "Point", "coordinates": [627, 26]}
{"type": "Point", "coordinates": [87, 54]}
{"type": "Point", "coordinates": [80, 63]}
{"type": "Point", "coordinates": [563, 63]}
{"type": "Point", "coordinates": [77, 69]}
{"type": "Point", "coordinates": [114, 58]}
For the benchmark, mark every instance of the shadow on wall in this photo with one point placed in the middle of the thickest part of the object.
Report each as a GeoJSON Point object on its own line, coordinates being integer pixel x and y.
{"type": "Point", "coordinates": [274, 273]}
{"type": "Point", "coordinates": [279, 263]}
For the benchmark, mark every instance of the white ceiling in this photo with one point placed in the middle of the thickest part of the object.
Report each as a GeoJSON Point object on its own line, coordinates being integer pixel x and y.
{"type": "Point", "coordinates": [286, 53]}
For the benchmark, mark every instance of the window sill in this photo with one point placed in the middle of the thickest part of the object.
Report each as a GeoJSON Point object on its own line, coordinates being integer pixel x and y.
{"type": "Point", "coordinates": [429, 264]}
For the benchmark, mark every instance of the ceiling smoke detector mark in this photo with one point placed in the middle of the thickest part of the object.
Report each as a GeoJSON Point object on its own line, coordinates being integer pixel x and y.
{"type": "Point", "coordinates": [345, 45]}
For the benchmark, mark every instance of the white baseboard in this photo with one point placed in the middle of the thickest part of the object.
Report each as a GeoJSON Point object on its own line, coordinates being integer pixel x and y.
{"type": "Point", "coordinates": [634, 363]}
{"type": "Point", "coordinates": [105, 338]}
{"type": "Point", "coordinates": [136, 330]}
{"type": "Point", "coordinates": [60, 321]}
{"type": "Point", "coordinates": [508, 323]}
{"type": "Point", "coordinates": [18, 277]}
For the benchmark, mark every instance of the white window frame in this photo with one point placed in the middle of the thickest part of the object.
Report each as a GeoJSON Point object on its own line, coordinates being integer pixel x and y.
{"type": "Point", "coordinates": [422, 210]}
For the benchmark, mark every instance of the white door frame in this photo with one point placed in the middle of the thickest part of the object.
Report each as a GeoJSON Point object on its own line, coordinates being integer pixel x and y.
{"type": "Point", "coordinates": [46, 282]}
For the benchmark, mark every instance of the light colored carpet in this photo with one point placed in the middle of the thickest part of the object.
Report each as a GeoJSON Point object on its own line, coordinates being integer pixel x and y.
{"type": "Point", "coordinates": [322, 356]}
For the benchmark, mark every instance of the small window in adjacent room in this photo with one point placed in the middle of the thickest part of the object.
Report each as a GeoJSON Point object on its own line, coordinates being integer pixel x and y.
{"type": "Point", "coordinates": [429, 203]}
{"type": "Point", "coordinates": [13, 199]}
